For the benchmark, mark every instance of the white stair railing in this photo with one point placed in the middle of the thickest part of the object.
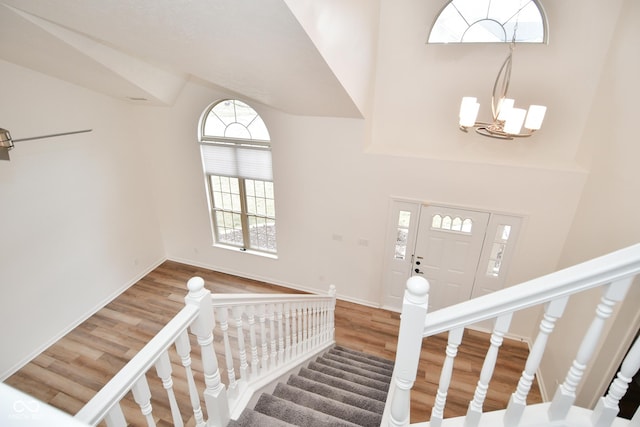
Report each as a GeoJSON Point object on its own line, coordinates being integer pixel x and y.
{"type": "Point", "coordinates": [272, 338]}
{"type": "Point", "coordinates": [614, 273]}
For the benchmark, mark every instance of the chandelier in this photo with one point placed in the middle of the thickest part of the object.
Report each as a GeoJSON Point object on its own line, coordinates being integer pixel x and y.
{"type": "Point", "coordinates": [508, 122]}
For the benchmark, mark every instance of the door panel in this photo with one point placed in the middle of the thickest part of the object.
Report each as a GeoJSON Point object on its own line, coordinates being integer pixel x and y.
{"type": "Point", "coordinates": [399, 245]}
{"type": "Point", "coordinates": [448, 256]}
{"type": "Point", "coordinates": [463, 253]}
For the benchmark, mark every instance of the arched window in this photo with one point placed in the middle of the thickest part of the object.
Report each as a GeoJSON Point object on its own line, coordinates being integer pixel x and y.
{"type": "Point", "coordinates": [490, 21]}
{"type": "Point", "coordinates": [236, 158]}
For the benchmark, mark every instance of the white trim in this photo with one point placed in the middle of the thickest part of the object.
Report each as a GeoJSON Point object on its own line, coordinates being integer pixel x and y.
{"type": "Point", "coordinates": [83, 318]}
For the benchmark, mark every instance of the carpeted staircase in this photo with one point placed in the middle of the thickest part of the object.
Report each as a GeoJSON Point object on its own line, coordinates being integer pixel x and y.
{"type": "Point", "coordinates": [343, 387]}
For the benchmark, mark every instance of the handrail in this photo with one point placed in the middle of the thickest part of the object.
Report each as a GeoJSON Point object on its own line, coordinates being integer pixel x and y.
{"type": "Point", "coordinates": [222, 300]}
{"type": "Point", "coordinates": [96, 409]}
{"type": "Point", "coordinates": [613, 267]}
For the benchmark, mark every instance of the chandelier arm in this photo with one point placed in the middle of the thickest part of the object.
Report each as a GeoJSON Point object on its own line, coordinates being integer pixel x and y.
{"type": "Point", "coordinates": [502, 79]}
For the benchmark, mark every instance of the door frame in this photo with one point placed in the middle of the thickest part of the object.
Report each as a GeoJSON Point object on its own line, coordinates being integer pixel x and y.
{"type": "Point", "coordinates": [390, 238]}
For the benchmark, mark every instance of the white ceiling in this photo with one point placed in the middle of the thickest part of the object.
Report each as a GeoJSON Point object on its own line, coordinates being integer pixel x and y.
{"type": "Point", "coordinates": [148, 49]}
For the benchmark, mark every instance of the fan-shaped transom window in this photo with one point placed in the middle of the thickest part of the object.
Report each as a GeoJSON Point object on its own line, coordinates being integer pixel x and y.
{"type": "Point", "coordinates": [236, 157]}
{"type": "Point", "coordinates": [490, 21]}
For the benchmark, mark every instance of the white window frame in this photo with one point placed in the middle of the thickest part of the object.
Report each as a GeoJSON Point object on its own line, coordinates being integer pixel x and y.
{"type": "Point", "coordinates": [242, 159]}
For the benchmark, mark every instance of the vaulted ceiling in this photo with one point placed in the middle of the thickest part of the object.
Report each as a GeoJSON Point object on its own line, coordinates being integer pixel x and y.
{"type": "Point", "coordinates": [145, 50]}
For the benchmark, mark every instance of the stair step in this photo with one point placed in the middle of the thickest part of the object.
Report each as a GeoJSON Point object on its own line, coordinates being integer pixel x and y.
{"type": "Point", "coordinates": [338, 394]}
{"type": "Point", "coordinates": [362, 357]}
{"type": "Point", "coordinates": [365, 355]}
{"type": "Point", "coordinates": [359, 363]}
{"type": "Point", "coordinates": [251, 418]}
{"type": "Point", "coordinates": [350, 413]}
{"type": "Point", "coordinates": [343, 384]}
{"type": "Point", "coordinates": [296, 414]}
{"type": "Point", "coordinates": [364, 372]}
{"type": "Point", "coordinates": [349, 376]}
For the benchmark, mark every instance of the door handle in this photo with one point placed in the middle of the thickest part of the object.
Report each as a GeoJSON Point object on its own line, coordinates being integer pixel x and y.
{"type": "Point", "coordinates": [417, 270]}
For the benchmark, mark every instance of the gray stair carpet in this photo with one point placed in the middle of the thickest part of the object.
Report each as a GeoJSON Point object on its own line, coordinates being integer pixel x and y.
{"type": "Point", "coordinates": [343, 387]}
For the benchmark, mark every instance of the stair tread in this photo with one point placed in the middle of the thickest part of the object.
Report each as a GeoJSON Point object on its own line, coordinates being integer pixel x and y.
{"type": "Point", "coordinates": [250, 418]}
{"type": "Point", "coordinates": [338, 394]}
{"type": "Point", "coordinates": [343, 384]}
{"type": "Point", "coordinates": [295, 414]}
{"type": "Point", "coordinates": [358, 362]}
{"type": "Point", "coordinates": [362, 357]}
{"type": "Point", "coordinates": [349, 376]}
{"type": "Point", "coordinates": [369, 373]}
{"type": "Point", "coordinates": [365, 355]}
{"type": "Point", "coordinates": [327, 405]}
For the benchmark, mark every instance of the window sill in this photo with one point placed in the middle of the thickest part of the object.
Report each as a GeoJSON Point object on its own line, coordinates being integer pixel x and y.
{"type": "Point", "coordinates": [245, 251]}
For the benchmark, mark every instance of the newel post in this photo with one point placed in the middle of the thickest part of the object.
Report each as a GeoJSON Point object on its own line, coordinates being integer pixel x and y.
{"type": "Point", "coordinates": [215, 394]}
{"type": "Point", "coordinates": [414, 311]}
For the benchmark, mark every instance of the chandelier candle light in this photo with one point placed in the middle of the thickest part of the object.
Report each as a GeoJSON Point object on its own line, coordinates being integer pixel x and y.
{"type": "Point", "coordinates": [507, 120]}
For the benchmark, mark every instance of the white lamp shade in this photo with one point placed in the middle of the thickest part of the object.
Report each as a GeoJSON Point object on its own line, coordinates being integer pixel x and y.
{"type": "Point", "coordinates": [504, 106]}
{"type": "Point", "coordinates": [466, 102]}
{"type": "Point", "coordinates": [535, 116]}
{"type": "Point", "coordinates": [468, 111]}
{"type": "Point", "coordinates": [514, 121]}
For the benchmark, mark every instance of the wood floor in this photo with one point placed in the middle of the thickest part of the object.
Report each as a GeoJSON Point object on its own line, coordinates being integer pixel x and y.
{"type": "Point", "coordinates": [71, 371]}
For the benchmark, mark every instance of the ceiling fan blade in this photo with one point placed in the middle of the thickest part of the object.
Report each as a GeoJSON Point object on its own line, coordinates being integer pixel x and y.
{"type": "Point", "coordinates": [6, 142]}
{"type": "Point", "coordinates": [52, 135]}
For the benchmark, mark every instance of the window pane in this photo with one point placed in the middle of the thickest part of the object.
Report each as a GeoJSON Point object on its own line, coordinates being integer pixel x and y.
{"type": "Point", "coordinates": [271, 208]}
{"type": "Point", "coordinates": [404, 219]}
{"type": "Point", "coordinates": [446, 223]}
{"type": "Point", "coordinates": [467, 224]}
{"type": "Point", "coordinates": [260, 188]}
{"type": "Point", "coordinates": [249, 187]}
{"type": "Point", "coordinates": [268, 190]}
{"type": "Point", "coordinates": [436, 222]}
{"type": "Point", "coordinates": [251, 205]}
{"type": "Point", "coordinates": [472, 21]}
{"type": "Point", "coordinates": [456, 225]}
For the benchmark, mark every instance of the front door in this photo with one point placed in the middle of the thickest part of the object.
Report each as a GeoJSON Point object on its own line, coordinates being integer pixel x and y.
{"type": "Point", "coordinates": [448, 248]}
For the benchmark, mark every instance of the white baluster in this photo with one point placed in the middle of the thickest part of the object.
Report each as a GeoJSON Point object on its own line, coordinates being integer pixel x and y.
{"type": "Point", "coordinates": [281, 337]}
{"type": "Point", "coordinates": [414, 310]}
{"type": "Point", "coordinates": [272, 335]}
{"type": "Point", "coordinates": [223, 320]}
{"type": "Point", "coordinates": [262, 319]}
{"type": "Point", "coordinates": [142, 396]}
{"type": "Point", "coordinates": [251, 320]}
{"type": "Point", "coordinates": [518, 401]}
{"type": "Point", "coordinates": [215, 394]}
{"type": "Point", "coordinates": [289, 330]}
{"type": "Point", "coordinates": [437, 413]}
{"type": "Point", "coordinates": [332, 309]}
{"type": "Point", "coordinates": [237, 318]}
{"type": "Point", "coordinates": [163, 368]}
{"type": "Point", "coordinates": [314, 324]}
{"type": "Point", "coordinates": [305, 328]}
{"type": "Point", "coordinates": [323, 322]}
{"type": "Point", "coordinates": [607, 408]}
{"type": "Point", "coordinates": [299, 314]}
{"type": "Point", "coordinates": [295, 322]}
{"type": "Point", "coordinates": [566, 394]}
{"type": "Point", "coordinates": [115, 417]}
{"type": "Point", "coordinates": [475, 406]}
{"type": "Point", "coordinates": [183, 348]}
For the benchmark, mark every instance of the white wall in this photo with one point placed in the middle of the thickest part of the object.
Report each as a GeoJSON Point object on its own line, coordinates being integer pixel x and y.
{"type": "Point", "coordinates": [607, 216]}
{"type": "Point", "coordinates": [77, 223]}
{"type": "Point", "coordinates": [332, 199]}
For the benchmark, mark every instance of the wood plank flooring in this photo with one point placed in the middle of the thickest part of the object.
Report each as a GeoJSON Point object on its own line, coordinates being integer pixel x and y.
{"type": "Point", "coordinates": [71, 371]}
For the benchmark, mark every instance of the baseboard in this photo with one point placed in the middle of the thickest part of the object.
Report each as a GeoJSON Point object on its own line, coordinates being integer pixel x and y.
{"type": "Point", "coordinates": [75, 324]}
{"type": "Point", "coordinates": [272, 281]}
